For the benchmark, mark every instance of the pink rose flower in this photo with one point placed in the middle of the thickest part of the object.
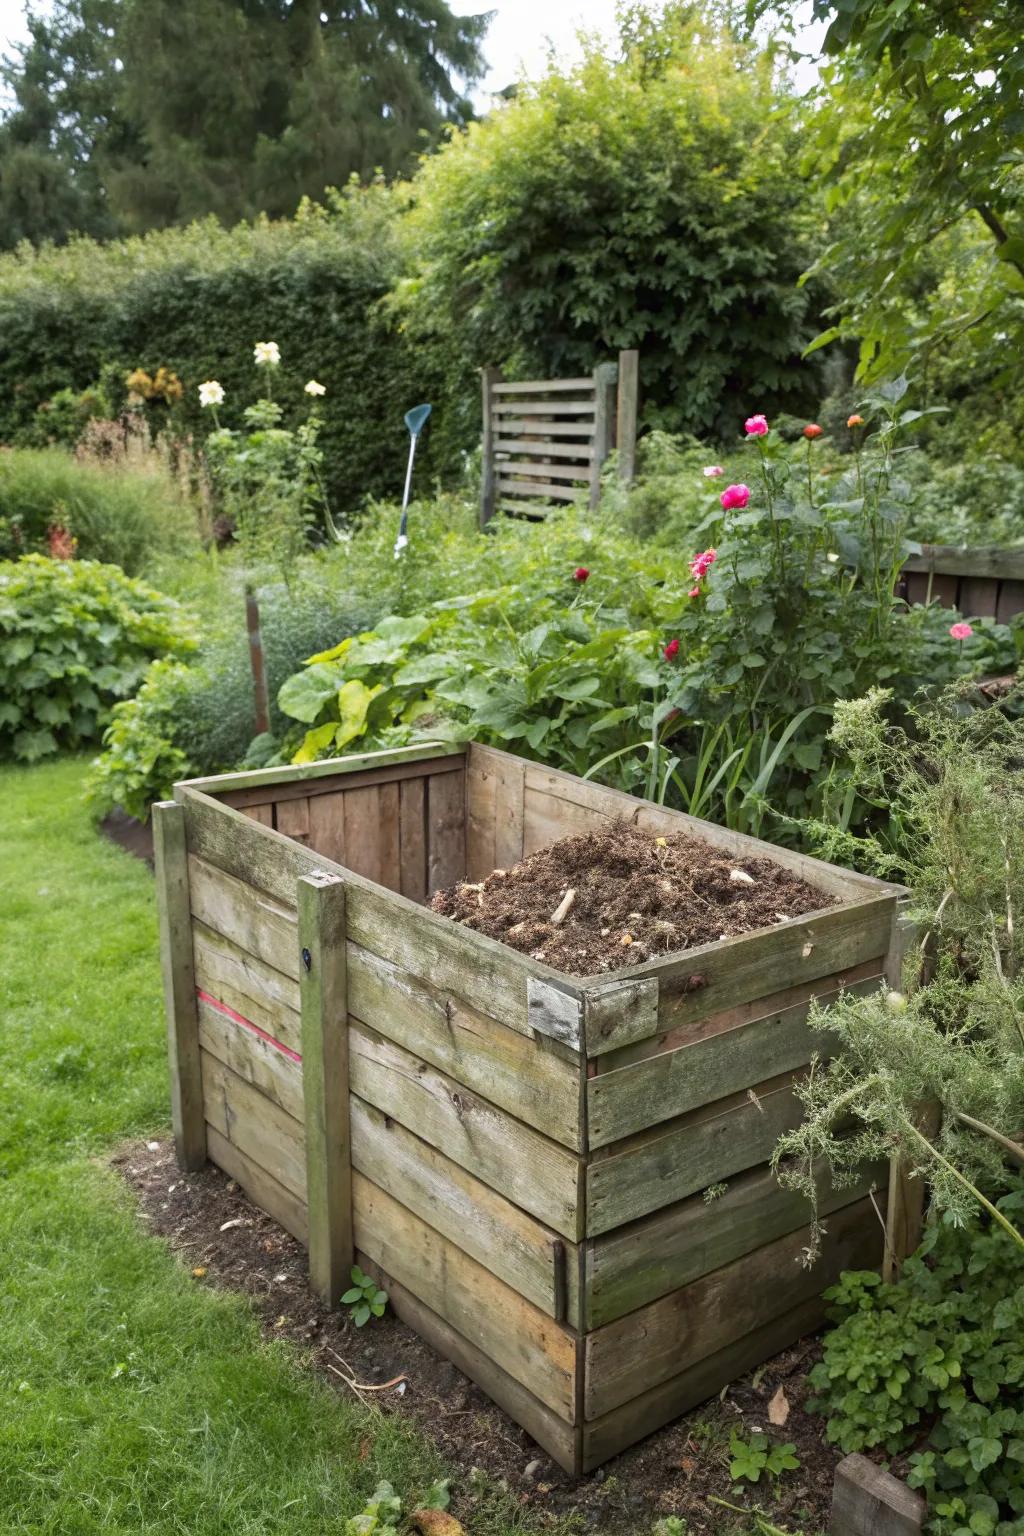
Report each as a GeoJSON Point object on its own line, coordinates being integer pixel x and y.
{"type": "Point", "coordinates": [756, 426]}
{"type": "Point", "coordinates": [713, 471]}
{"type": "Point", "coordinates": [701, 564]}
{"type": "Point", "coordinates": [694, 592]}
{"type": "Point", "coordinates": [961, 631]}
{"type": "Point", "coordinates": [671, 650]}
{"type": "Point", "coordinates": [735, 496]}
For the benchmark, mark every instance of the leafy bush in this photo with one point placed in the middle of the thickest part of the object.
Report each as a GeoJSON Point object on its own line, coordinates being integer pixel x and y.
{"type": "Point", "coordinates": [648, 201]}
{"type": "Point", "coordinates": [195, 301]}
{"type": "Point", "coordinates": [969, 501]}
{"type": "Point", "coordinates": [195, 718]}
{"type": "Point", "coordinates": [936, 1362]}
{"type": "Point", "coordinates": [128, 514]}
{"type": "Point", "coordinates": [74, 638]}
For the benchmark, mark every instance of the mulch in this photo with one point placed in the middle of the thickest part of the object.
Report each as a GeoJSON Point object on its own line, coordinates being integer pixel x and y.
{"type": "Point", "coordinates": [602, 900]}
{"type": "Point", "coordinates": [213, 1228]}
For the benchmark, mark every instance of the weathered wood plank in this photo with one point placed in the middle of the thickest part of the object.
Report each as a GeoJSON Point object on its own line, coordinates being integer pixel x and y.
{"type": "Point", "coordinates": [327, 825]}
{"type": "Point", "coordinates": [659, 1341]}
{"type": "Point", "coordinates": [362, 832]}
{"type": "Point", "coordinates": [292, 818]}
{"type": "Point", "coordinates": [624, 1426]}
{"type": "Point", "coordinates": [263, 812]}
{"type": "Point", "coordinates": [580, 453]}
{"type": "Point", "coordinates": [1010, 601]}
{"type": "Point", "coordinates": [636, 1264]}
{"type": "Point", "coordinates": [324, 1002]}
{"type": "Point", "coordinates": [390, 836]}
{"type": "Point", "coordinates": [277, 778]}
{"type": "Point", "coordinates": [691, 1031]}
{"type": "Point", "coordinates": [482, 1223]}
{"type": "Point", "coordinates": [703, 1148]}
{"type": "Point", "coordinates": [490, 976]}
{"type": "Point", "coordinates": [868, 1501]}
{"type": "Point", "coordinates": [978, 597]}
{"type": "Point", "coordinates": [261, 1187]}
{"type": "Point", "coordinates": [269, 1070]}
{"type": "Point", "coordinates": [257, 1126]}
{"type": "Point", "coordinates": [446, 830]}
{"type": "Point", "coordinates": [519, 1074]}
{"type": "Point", "coordinates": [517, 1336]}
{"type": "Point", "coordinates": [544, 386]}
{"type": "Point", "coordinates": [538, 469]}
{"type": "Point", "coordinates": [481, 786]}
{"type": "Point", "coordinates": [252, 988]}
{"type": "Point", "coordinates": [544, 490]}
{"type": "Point", "coordinates": [999, 561]}
{"type": "Point", "coordinates": [714, 977]}
{"type": "Point", "coordinates": [582, 407]}
{"type": "Point", "coordinates": [177, 968]}
{"type": "Point", "coordinates": [622, 1102]}
{"type": "Point", "coordinates": [628, 409]}
{"type": "Point", "coordinates": [255, 922]}
{"type": "Point", "coordinates": [420, 766]}
{"type": "Point", "coordinates": [413, 837]}
{"type": "Point", "coordinates": [553, 1433]}
{"type": "Point", "coordinates": [534, 427]}
{"type": "Point", "coordinates": [497, 783]}
{"type": "Point", "coordinates": [530, 1170]}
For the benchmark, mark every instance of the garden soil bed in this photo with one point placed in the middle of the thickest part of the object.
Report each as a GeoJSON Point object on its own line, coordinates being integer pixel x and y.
{"type": "Point", "coordinates": [601, 900]}
{"type": "Point", "coordinates": [229, 1243]}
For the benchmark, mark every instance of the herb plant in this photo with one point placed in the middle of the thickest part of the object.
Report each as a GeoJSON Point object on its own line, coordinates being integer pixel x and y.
{"type": "Point", "coordinates": [759, 1456]}
{"type": "Point", "coordinates": [933, 1366]}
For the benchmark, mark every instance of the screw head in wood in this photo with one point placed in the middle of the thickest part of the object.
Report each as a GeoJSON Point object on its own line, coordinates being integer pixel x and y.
{"type": "Point", "coordinates": [307, 959]}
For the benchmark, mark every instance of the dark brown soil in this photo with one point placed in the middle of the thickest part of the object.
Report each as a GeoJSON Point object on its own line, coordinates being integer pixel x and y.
{"type": "Point", "coordinates": [635, 896]}
{"type": "Point", "coordinates": [227, 1242]}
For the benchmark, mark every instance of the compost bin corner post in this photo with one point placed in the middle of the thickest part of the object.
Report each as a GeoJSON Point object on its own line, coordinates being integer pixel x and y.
{"type": "Point", "coordinates": [323, 989]}
{"type": "Point", "coordinates": [176, 963]}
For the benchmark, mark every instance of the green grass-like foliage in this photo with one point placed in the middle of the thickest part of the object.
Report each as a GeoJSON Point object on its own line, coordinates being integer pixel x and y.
{"type": "Point", "coordinates": [935, 1364]}
{"type": "Point", "coordinates": [127, 515]}
{"type": "Point", "coordinates": [74, 638]}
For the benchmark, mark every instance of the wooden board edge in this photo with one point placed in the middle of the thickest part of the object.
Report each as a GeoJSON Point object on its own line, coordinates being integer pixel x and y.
{"type": "Point", "coordinates": [261, 1188]}
{"type": "Point", "coordinates": [553, 1434]}
{"type": "Point", "coordinates": [292, 774]}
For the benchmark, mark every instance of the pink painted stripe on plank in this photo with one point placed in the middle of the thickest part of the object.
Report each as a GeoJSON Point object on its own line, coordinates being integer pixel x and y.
{"type": "Point", "coordinates": [236, 1018]}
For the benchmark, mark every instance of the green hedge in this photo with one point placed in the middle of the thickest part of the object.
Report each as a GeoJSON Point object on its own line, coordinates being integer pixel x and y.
{"type": "Point", "coordinates": [196, 299]}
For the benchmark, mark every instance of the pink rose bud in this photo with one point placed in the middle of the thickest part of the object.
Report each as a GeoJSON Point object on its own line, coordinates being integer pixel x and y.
{"type": "Point", "coordinates": [581, 573]}
{"type": "Point", "coordinates": [756, 426]}
{"type": "Point", "coordinates": [713, 471]}
{"type": "Point", "coordinates": [671, 650]}
{"type": "Point", "coordinates": [961, 631]}
{"type": "Point", "coordinates": [735, 496]}
{"type": "Point", "coordinates": [694, 592]}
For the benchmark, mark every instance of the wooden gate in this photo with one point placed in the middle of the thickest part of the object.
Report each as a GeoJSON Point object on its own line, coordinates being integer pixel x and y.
{"type": "Point", "coordinates": [547, 440]}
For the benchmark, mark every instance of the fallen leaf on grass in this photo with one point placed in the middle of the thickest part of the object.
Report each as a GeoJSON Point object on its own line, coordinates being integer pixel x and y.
{"type": "Point", "coordinates": [437, 1522]}
{"type": "Point", "coordinates": [778, 1408]}
{"type": "Point", "coordinates": [199, 1272]}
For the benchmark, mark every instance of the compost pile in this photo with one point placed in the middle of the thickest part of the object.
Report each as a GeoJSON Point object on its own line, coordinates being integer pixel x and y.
{"type": "Point", "coordinates": [618, 897]}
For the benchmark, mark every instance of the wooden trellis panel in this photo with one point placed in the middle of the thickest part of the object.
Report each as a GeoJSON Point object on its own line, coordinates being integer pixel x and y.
{"type": "Point", "coordinates": [546, 440]}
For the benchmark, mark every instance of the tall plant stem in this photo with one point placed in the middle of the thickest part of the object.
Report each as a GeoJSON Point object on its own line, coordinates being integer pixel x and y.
{"type": "Point", "coordinates": [997, 1215]}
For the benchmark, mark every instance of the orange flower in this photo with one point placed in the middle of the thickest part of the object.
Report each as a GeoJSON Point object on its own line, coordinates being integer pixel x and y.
{"type": "Point", "coordinates": [812, 430]}
{"type": "Point", "coordinates": [855, 420]}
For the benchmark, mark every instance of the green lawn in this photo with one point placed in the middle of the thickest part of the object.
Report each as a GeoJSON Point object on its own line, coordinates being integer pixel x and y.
{"type": "Point", "coordinates": [132, 1398]}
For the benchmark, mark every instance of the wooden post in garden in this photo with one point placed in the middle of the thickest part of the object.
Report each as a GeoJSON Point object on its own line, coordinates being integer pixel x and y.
{"type": "Point", "coordinates": [323, 991]}
{"type": "Point", "coordinates": [179, 984]}
{"type": "Point", "coordinates": [259, 674]}
{"type": "Point", "coordinates": [628, 414]}
{"type": "Point", "coordinates": [488, 378]}
{"type": "Point", "coordinates": [605, 378]}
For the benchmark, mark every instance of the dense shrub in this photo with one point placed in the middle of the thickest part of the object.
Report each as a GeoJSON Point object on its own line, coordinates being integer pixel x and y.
{"type": "Point", "coordinates": [196, 717]}
{"type": "Point", "coordinates": [128, 514]}
{"type": "Point", "coordinates": [195, 300]}
{"type": "Point", "coordinates": [74, 638]}
{"type": "Point", "coordinates": [651, 202]}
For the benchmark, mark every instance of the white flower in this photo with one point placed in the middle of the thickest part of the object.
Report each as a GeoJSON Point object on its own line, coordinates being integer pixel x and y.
{"type": "Point", "coordinates": [211, 393]}
{"type": "Point", "coordinates": [713, 471]}
{"type": "Point", "coordinates": [832, 557]}
{"type": "Point", "coordinates": [267, 354]}
{"type": "Point", "coordinates": [313, 388]}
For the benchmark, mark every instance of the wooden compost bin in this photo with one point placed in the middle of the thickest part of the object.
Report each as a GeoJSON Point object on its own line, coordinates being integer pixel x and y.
{"type": "Point", "coordinates": [519, 1155]}
{"type": "Point", "coordinates": [981, 582]}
